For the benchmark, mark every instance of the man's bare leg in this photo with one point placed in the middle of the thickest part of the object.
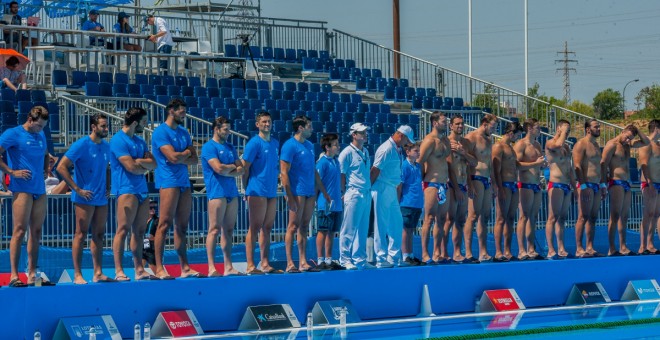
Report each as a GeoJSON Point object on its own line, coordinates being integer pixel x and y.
{"type": "Point", "coordinates": [257, 208]}
{"type": "Point", "coordinates": [83, 217]}
{"type": "Point", "coordinates": [555, 202]}
{"type": "Point", "coordinates": [649, 197]}
{"type": "Point", "coordinates": [475, 208]}
{"type": "Point", "coordinates": [590, 227]}
{"type": "Point", "coordinates": [321, 236]}
{"type": "Point", "coordinates": [308, 203]}
{"type": "Point", "coordinates": [439, 230]}
{"type": "Point", "coordinates": [430, 211]}
{"type": "Point", "coordinates": [169, 198]}
{"type": "Point", "coordinates": [37, 217]}
{"type": "Point", "coordinates": [502, 205]}
{"type": "Point", "coordinates": [459, 226]}
{"type": "Point", "coordinates": [226, 241]}
{"type": "Point", "coordinates": [623, 223]}
{"type": "Point", "coordinates": [22, 206]}
{"type": "Point", "coordinates": [561, 221]}
{"type": "Point", "coordinates": [127, 207]}
{"type": "Point", "coordinates": [531, 226]}
{"type": "Point", "coordinates": [585, 200]}
{"type": "Point", "coordinates": [264, 236]}
{"type": "Point", "coordinates": [137, 238]}
{"type": "Point", "coordinates": [99, 219]}
{"type": "Point", "coordinates": [482, 226]}
{"type": "Point", "coordinates": [616, 206]}
{"type": "Point", "coordinates": [451, 216]}
{"type": "Point", "coordinates": [216, 208]}
{"type": "Point", "coordinates": [180, 229]}
{"type": "Point", "coordinates": [508, 223]}
{"type": "Point", "coordinates": [525, 204]}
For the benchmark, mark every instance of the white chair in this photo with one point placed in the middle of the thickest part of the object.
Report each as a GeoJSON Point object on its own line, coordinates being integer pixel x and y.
{"type": "Point", "coordinates": [38, 68]}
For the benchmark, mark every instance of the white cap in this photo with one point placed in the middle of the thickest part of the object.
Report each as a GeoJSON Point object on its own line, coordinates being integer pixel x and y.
{"type": "Point", "coordinates": [358, 127]}
{"type": "Point", "coordinates": [408, 132]}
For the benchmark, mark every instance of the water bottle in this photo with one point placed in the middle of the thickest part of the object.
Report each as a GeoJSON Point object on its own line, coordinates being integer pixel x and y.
{"type": "Point", "coordinates": [136, 331]}
{"type": "Point", "coordinates": [310, 320]}
{"type": "Point", "coordinates": [147, 331]}
{"type": "Point", "coordinates": [477, 306]}
{"type": "Point", "coordinates": [37, 278]}
{"type": "Point", "coordinates": [37, 335]}
{"type": "Point", "coordinates": [177, 31]}
{"type": "Point", "coordinates": [92, 333]}
{"type": "Point", "coordinates": [342, 317]}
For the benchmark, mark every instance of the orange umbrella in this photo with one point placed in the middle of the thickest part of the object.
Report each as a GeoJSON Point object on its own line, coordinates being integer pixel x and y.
{"type": "Point", "coordinates": [6, 53]}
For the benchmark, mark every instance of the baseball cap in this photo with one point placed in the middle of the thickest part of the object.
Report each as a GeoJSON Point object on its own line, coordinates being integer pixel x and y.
{"type": "Point", "coordinates": [123, 15]}
{"type": "Point", "coordinates": [408, 132]}
{"type": "Point", "coordinates": [94, 12]}
{"type": "Point", "coordinates": [358, 127]}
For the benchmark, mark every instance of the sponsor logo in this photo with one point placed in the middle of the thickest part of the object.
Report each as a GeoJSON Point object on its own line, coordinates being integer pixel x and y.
{"type": "Point", "coordinates": [271, 317]}
{"type": "Point", "coordinates": [645, 290]}
{"type": "Point", "coordinates": [586, 294]}
{"type": "Point", "coordinates": [505, 301]}
{"type": "Point", "coordinates": [180, 324]}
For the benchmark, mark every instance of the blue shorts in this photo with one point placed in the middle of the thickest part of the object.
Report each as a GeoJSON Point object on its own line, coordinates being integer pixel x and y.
{"type": "Point", "coordinates": [531, 186]}
{"type": "Point", "coordinates": [593, 186]}
{"type": "Point", "coordinates": [511, 185]}
{"type": "Point", "coordinates": [410, 217]}
{"type": "Point", "coordinates": [625, 184]}
{"type": "Point", "coordinates": [462, 187]}
{"type": "Point", "coordinates": [484, 180]}
{"type": "Point", "coordinates": [565, 187]}
{"type": "Point", "coordinates": [331, 222]}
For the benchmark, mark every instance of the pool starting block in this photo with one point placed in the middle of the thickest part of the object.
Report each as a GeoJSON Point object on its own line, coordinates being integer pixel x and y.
{"type": "Point", "coordinates": [499, 300]}
{"type": "Point", "coordinates": [176, 324]}
{"type": "Point", "coordinates": [587, 293]}
{"type": "Point", "coordinates": [641, 290]}
{"type": "Point", "coordinates": [269, 317]}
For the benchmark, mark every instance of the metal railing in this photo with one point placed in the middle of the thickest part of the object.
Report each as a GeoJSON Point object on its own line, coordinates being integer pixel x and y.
{"type": "Point", "coordinates": [448, 83]}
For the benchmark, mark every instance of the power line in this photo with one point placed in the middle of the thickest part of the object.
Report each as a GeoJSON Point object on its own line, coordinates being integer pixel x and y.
{"type": "Point", "coordinates": [567, 70]}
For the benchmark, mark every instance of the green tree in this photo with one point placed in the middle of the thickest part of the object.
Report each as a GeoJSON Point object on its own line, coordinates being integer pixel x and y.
{"type": "Point", "coordinates": [581, 107]}
{"type": "Point", "coordinates": [608, 104]}
{"type": "Point", "coordinates": [650, 97]}
{"type": "Point", "coordinates": [488, 98]}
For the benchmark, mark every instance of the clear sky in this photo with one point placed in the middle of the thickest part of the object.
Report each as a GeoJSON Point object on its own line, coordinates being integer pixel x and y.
{"type": "Point", "coordinates": [614, 41]}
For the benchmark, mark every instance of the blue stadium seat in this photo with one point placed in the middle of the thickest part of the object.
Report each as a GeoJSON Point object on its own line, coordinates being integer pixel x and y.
{"type": "Point", "coordinates": [417, 103]}
{"type": "Point", "coordinates": [92, 89]}
{"type": "Point", "coordinates": [250, 84]}
{"type": "Point", "coordinates": [119, 89]}
{"type": "Point", "coordinates": [263, 94]}
{"type": "Point", "coordinates": [290, 55]}
{"type": "Point", "coordinates": [203, 102]}
{"type": "Point", "coordinates": [403, 82]}
{"type": "Point", "coordinates": [237, 93]}
{"type": "Point", "coordinates": [229, 103]}
{"type": "Point", "coordinates": [173, 90]}
{"type": "Point", "coordinates": [141, 79]}
{"type": "Point", "coordinates": [200, 91]}
{"type": "Point", "coordinates": [256, 52]}
{"type": "Point", "coordinates": [267, 53]}
{"type": "Point", "coordinates": [400, 94]}
{"type": "Point", "coordinates": [168, 80]}
{"type": "Point", "coordinates": [187, 91]}
{"type": "Point", "coordinates": [350, 63]}
{"type": "Point", "coordinates": [279, 55]}
{"type": "Point", "coordinates": [211, 82]}
{"type": "Point", "coordinates": [351, 107]}
{"type": "Point", "coordinates": [230, 51]}
{"type": "Point", "coordinates": [106, 77]}
{"type": "Point", "coordinates": [213, 92]}
{"type": "Point", "coordinates": [225, 82]}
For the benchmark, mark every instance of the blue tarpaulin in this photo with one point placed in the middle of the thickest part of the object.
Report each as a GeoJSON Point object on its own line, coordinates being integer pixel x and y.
{"type": "Point", "coordinates": [24, 11]}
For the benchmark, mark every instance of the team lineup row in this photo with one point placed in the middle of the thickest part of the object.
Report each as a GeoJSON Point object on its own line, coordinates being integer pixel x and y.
{"type": "Point", "coordinates": [445, 177]}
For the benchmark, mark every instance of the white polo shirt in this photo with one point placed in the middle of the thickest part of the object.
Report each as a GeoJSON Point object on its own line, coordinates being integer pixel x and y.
{"type": "Point", "coordinates": [355, 165]}
{"type": "Point", "coordinates": [388, 160]}
{"type": "Point", "coordinates": [161, 25]}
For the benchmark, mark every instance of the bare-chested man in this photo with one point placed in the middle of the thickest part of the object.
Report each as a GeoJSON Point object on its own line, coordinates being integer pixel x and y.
{"type": "Point", "coordinates": [528, 149]}
{"type": "Point", "coordinates": [560, 188]}
{"type": "Point", "coordinates": [433, 157]}
{"type": "Point", "coordinates": [505, 169]}
{"type": "Point", "coordinates": [458, 184]}
{"type": "Point", "coordinates": [616, 158]}
{"type": "Point", "coordinates": [589, 173]}
{"type": "Point", "coordinates": [649, 159]}
{"type": "Point", "coordinates": [480, 192]}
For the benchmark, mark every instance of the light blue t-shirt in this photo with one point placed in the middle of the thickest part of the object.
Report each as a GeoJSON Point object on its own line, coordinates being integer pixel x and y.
{"type": "Point", "coordinates": [89, 25]}
{"type": "Point", "coordinates": [355, 165]}
{"type": "Point", "coordinates": [90, 163]}
{"type": "Point", "coordinates": [302, 173]}
{"type": "Point", "coordinates": [388, 160]}
{"type": "Point", "coordinates": [412, 195]}
{"type": "Point", "coordinates": [265, 167]}
{"type": "Point", "coordinates": [25, 151]}
{"type": "Point", "coordinates": [218, 186]}
{"type": "Point", "coordinates": [170, 175]}
{"type": "Point", "coordinates": [124, 182]}
{"type": "Point", "coordinates": [328, 169]}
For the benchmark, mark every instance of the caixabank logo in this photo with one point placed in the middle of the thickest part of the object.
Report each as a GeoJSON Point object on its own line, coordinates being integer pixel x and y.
{"type": "Point", "coordinates": [271, 317]}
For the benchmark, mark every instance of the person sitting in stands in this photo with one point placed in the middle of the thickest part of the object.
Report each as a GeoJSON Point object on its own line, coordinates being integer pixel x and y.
{"type": "Point", "coordinates": [92, 25]}
{"type": "Point", "coordinates": [53, 184]}
{"type": "Point", "coordinates": [122, 26]}
{"type": "Point", "coordinates": [17, 36]}
{"type": "Point", "coordinates": [10, 76]}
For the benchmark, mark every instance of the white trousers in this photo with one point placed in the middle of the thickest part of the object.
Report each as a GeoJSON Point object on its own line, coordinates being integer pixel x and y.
{"type": "Point", "coordinates": [388, 223]}
{"type": "Point", "coordinates": [354, 228]}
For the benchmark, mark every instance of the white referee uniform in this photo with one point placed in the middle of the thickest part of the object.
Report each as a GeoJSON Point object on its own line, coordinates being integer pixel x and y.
{"type": "Point", "coordinates": [388, 222]}
{"type": "Point", "coordinates": [355, 165]}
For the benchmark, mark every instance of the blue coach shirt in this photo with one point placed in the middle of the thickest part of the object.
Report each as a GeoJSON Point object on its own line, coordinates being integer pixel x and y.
{"type": "Point", "coordinates": [412, 195]}
{"type": "Point", "coordinates": [90, 162]}
{"type": "Point", "coordinates": [218, 186]}
{"type": "Point", "coordinates": [25, 151]}
{"type": "Point", "coordinates": [124, 182]}
{"type": "Point", "coordinates": [170, 175]}
{"type": "Point", "coordinates": [328, 169]}
{"type": "Point", "coordinates": [265, 167]}
{"type": "Point", "coordinates": [302, 173]}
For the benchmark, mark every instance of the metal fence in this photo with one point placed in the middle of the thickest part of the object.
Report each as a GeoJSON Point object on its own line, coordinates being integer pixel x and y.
{"type": "Point", "coordinates": [448, 83]}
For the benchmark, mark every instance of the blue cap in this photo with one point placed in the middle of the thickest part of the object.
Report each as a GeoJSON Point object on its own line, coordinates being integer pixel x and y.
{"type": "Point", "coordinates": [94, 11]}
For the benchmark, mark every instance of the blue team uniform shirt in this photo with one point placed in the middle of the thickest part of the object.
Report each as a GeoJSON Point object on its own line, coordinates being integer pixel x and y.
{"type": "Point", "coordinates": [25, 151]}
{"type": "Point", "coordinates": [302, 173]}
{"type": "Point", "coordinates": [412, 195]}
{"type": "Point", "coordinates": [328, 169]}
{"type": "Point", "coordinates": [124, 182]}
{"type": "Point", "coordinates": [170, 175]}
{"type": "Point", "coordinates": [218, 186]}
{"type": "Point", "coordinates": [90, 162]}
{"type": "Point", "coordinates": [265, 167]}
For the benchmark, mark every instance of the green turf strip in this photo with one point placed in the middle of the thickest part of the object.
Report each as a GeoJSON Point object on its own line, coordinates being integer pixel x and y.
{"type": "Point", "coordinates": [552, 329]}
